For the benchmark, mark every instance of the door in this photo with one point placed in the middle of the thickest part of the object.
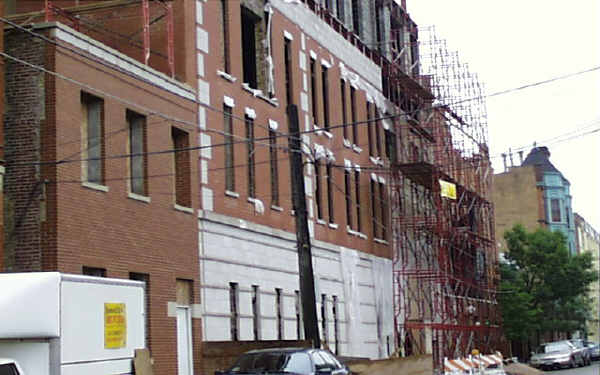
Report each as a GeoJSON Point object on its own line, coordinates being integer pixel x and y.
{"type": "Point", "coordinates": [184, 341]}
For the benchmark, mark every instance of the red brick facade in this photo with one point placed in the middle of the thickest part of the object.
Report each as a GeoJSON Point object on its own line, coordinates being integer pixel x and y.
{"type": "Point", "coordinates": [61, 223]}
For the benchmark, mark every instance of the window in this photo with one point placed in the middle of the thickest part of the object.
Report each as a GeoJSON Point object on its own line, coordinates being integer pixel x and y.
{"type": "Point", "coordinates": [378, 32]}
{"type": "Point", "coordinates": [340, 10]}
{"type": "Point", "coordinates": [356, 17]}
{"type": "Point", "coordinates": [377, 132]}
{"type": "Point", "coordinates": [324, 318]}
{"type": "Point", "coordinates": [374, 208]}
{"type": "Point", "coordinates": [318, 189]}
{"type": "Point", "coordinates": [330, 183]}
{"type": "Point", "coordinates": [225, 34]}
{"type": "Point", "coordinates": [348, 194]}
{"type": "Point", "coordinates": [555, 207]}
{"type": "Point", "coordinates": [250, 157]}
{"type": "Point", "coordinates": [181, 144]}
{"type": "Point", "coordinates": [370, 128]}
{"type": "Point", "coordinates": [287, 52]}
{"type": "Point", "coordinates": [298, 307]}
{"type": "Point", "coordinates": [256, 312]}
{"type": "Point", "coordinates": [138, 160]}
{"type": "Point", "coordinates": [390, 145]}
{"type": "Point", "coordinates": [93, 138]}
{"type": "Point", "coordinates": [357, 200]}
{"type": "Point", "coordinates": [336, 331]}
{"type": "Point", "coordinates": [279, 306]}
{"type": "Point", "coordinates": [229, 148]}
{"type": "Point", "coordinates": [234, 311]}
{"type": "Point", "coordinates": [383, 210]}
{"type": "Point", "coordinates": [146, 279]}
{"type": "Point", "coordinates": [344, 109]}
{"type": "Point", "coordinates": [313, 91]}
{"type": "Point", "coordinates": [93, 271]}
{"type": "Point", "coordinates": [325, 88]}
{"type": "Point", "coordinates": [353, 113]}
{"type": "Point", "coordinates": [251, 33]}
{"type": "Point", "coordinates": [274, 168]}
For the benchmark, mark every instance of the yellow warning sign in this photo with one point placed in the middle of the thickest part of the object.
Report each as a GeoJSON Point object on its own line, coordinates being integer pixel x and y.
{"type": "Point", "coordinates": [448, 189]}
{"type": "Point", "coordinates": [115, 326]}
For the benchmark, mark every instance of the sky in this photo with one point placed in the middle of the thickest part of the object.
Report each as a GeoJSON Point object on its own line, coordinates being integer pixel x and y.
{"type": "Point", "coordinates": [513, 43]}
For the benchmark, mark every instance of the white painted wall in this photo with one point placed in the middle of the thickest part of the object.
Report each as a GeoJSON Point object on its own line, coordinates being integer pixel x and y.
{"type": "Point", "coordinates": [232, 250]}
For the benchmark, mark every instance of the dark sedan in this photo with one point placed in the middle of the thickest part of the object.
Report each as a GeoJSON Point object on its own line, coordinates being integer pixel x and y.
{"type": "Point", "coordinates": [300, 361]}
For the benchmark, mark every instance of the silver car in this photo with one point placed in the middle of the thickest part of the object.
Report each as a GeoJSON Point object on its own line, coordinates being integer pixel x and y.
{"type": "Point", "coordinates": [557, 354]}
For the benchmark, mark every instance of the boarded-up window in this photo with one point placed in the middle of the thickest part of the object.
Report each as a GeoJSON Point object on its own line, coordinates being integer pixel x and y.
{"type": "Point", "coordinates": [137, 152]}
{"type": "Point", "coordinates": [93, 140]}
{"type": "Point", "coordinates": [229, 148]}
{"type": "Point", "coordinates": [181, 161]}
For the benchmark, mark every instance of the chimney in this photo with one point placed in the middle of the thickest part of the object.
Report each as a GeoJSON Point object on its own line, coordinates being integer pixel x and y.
{"type": "Point", "coordinates": [403, 4]}
{"type": "Point", "coordinates": [521, 157]}
{"type": "Point", "coordinates": [512, 164]}
{"type": "Point", "coordinates": [504, 160]}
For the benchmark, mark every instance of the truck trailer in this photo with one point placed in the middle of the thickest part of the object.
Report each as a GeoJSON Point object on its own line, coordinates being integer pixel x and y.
{"type": "Point", "coordinates": [60, 324]}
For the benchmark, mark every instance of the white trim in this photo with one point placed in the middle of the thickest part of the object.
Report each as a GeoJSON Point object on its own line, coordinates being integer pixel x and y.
{"type": "Point", "coordinates": [313, 54]}
{"type": "Point", "coordinates": [187, 210]}
{"type": "Point", "coordinates": [347, 165]}
{"type": "Point", "coordinates": [374, 177]}
{"type": "Point", "coordinates": [287, 35]}
{"type": "Point", "coordinates": [232, 194]}
{"type": "Point", "coordinates": [230, 102]}
{"type": "Point", "coordinates": [250, 112]}
{"type": "Point", "coordinates": [326, 63]}
{"type": "Point", "coordinates": [227, 76]}
{"type": "Point", "coordinates": [138, 197]}
{"type": "Point", "coordinates": [93, 186]}
{"type": "Point", "coordinates": [122, 61]}
{"type": "Point", "coordinates": [273, 125]}
{"type": "Point", "coordinates": [381, 180]}
{"type": "Point", "coordinates": [357, 167]}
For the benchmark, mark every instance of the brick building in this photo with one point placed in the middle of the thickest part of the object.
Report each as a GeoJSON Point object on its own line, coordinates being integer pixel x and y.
{"type": "Point", "coordinates": [88, 189]}
{"type": "Point", "coordinates": [103, 176]}
{"type": "Point", "coordinates": [535, 194]}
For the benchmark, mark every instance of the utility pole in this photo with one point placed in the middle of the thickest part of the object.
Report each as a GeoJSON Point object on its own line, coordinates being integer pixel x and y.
{"type": "Point", "coordinates": [305, 268]}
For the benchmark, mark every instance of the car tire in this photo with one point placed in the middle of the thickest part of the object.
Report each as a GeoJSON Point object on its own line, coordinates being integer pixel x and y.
{"type": "Point", "coordinates": [572, 363]}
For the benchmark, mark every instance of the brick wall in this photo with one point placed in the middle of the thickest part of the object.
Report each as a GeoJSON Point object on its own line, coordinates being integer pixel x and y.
{"type": "Point", "coordinates": [219, 355]}
{"type": "Point", "coordinates": [64, 224]}
{"type": "Point", "coordinates": [25, 113]}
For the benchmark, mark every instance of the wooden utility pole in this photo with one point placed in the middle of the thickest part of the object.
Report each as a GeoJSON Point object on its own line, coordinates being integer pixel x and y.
{"type": "Point", "coordinates": [305, 268]}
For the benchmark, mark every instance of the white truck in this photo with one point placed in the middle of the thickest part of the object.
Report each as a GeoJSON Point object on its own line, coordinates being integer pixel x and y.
{"type": "Point", "coordinates": [59, 324]}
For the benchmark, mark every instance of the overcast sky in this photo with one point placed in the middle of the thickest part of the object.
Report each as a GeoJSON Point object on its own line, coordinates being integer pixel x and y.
{"type": "Point", "coordinates": [512, 43]}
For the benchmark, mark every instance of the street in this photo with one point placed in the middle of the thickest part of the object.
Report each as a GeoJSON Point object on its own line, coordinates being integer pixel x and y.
{"type": "Point", "coordinates": [594, 369]}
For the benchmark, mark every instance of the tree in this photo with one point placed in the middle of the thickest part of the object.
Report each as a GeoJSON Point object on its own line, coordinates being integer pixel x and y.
{"type": "Point", "coordinates": [543, 288]}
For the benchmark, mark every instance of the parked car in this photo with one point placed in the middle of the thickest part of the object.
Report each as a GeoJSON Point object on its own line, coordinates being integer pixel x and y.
{"type": "Point", "coordinates": [557, 354]}
{"type": "Point", "coordinates": [594, 349]}
{"type": "Point", "coordinates": [300, 361]}
{"type": "Point", "coordinates": [585, 351]}
{"type": "Point", "coordinates": [9, 367]}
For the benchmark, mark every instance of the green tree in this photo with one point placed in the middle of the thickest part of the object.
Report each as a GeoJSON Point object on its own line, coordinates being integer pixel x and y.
{"type": "Point", "coordinates": [543, 288]}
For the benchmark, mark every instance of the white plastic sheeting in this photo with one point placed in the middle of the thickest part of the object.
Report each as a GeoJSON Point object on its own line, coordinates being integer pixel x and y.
{"type": "Point", "coordinates": [29, 303]}
{"type": "Point", "coordinates": [384, 299]}
{"type": "Point", "coordinates": [349, 264]}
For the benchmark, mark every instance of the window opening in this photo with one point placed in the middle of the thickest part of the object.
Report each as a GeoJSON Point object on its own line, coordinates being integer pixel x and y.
{"type": "Point", "coordinates": [357, 200]}
{"type": "Point", "coordinates": [288, 71]}
{"type": "Point", "coordinates": [251, 157]}
{"type": "Point", "coordinates": [256, 311]}
{"type": "Point", "coordinates": [137, 150]}
{"type": "Point", "coordinates": [279, 306]}
{"type": "Point", "coordinates": [234, 311]}
{"type": "Point", "coordinates": [94, 138]}
{"type": "Point", "coordinates": [181, 158]}
{"type": "Point", "coordinates": [318, 189]}
{"type": "Point", "coordinates": [330, 183]}
{"type": "Point", "coordinates": [225, 31]}
{"type": "Point", "coordinates": [344, 109]}
{"type": "Point", "coordinates": [353, 113]}
{"type": "Point", "coordinates": [325, 88]}
{"type": "Point", "coordinates": [313, 91]}
{"type": "Point", "coordinates": [229, 149]}
{"type": "Point", "coordinates": [348, 194]}
{"type": "Point", "coordinates": [274, 168]}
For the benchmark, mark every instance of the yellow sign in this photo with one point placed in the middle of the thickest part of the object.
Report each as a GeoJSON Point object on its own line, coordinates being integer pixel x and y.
{"type": "Point", "coordinates": [115, 326]}
{"type": "Point", "coordinates": [448, 189]}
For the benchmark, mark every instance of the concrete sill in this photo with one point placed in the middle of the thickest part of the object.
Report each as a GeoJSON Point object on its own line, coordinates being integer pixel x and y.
{"type": "Point", "coordinates": [383, 242]}
{"type": "Point", "coordinates": [232, 194]}
{"type": "Point", "coordinates": [276, 208]}
{"type": "Point", "coordinates": [356, 149]}
{"type": "Point", "coordinates": [137, 197]}
{"type": "Point", "coordinates": [321, 222]}
{"type": "Point", "coordinates": [333, 225]}
{"type": "Point", "coordinates": [226, 76]}
{"type": "Point", "coordinates": [187, 210]}
{"type": "Point", "coordinates": [259, 94]}
{"type": "Point", "coordinates": [93, 186]}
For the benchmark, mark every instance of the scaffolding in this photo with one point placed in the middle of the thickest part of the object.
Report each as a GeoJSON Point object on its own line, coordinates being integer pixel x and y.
{"type": "Point", "coordinates": [445, 260]}
{"type": "Point", "coordinates": [142, 29]}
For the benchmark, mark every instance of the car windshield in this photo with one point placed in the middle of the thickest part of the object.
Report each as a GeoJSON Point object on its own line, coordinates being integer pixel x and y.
{"type": "Point", "coordinates": [553, 347]}
{"type": "Point", "coordinates": [273, 362]}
